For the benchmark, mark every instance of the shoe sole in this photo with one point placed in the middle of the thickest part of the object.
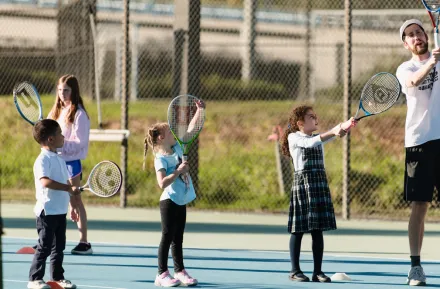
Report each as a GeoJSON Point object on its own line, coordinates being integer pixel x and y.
{"type": "Point", "coordinates": [88, 252]}
{"type": "Point", "coordinates": [156, 283]}
{"type": "Point", "coordinates": [322, 281]}
{"type": "Point", "coordinates": [415, 283]}
{"type": "Point", "coordinates": [299, 280]}
{"type": "Point", "coordinates": [188, 284]}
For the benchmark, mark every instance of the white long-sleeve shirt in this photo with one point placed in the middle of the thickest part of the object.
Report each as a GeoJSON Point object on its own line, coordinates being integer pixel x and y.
{"type": "Point", "coordinates": [76, 135]}
{"type": "Point", "coordinates": [298, 140]}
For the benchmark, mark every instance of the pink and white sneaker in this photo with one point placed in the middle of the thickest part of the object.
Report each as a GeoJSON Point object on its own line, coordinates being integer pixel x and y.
{"type": "Point", "coordinates": [185, 279]}
{"type": "Point", "coordinates": [165, 280]}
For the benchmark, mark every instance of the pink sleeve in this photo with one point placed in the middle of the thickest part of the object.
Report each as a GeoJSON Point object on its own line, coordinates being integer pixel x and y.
{"type": "Point", "coordinates": [77, 146]}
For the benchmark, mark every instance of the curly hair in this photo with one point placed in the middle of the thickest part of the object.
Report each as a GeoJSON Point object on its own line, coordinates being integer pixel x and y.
{"type": "Point", "coordinates": [296, 115]}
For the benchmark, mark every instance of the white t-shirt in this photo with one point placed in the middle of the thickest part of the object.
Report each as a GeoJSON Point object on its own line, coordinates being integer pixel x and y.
{"type": "Point", "coordinates": [53, 202]}
{"type": "Point", "coordinates": [177, 190]}
{"type": "Point", "coordinates": [299, 140]}
{"type": "Point", "coordinates": [423, 104]}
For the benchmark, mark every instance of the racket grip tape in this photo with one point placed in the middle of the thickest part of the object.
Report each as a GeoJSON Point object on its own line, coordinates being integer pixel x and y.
{"type": "Point", "coordinates": [436, 39]}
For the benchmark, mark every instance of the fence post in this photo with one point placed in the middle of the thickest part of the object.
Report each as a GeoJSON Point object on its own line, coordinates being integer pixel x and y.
{"type": "Point", "coordinates": [187, 68]}
{"type": "Point", "coordinates": [248, 36]}
{"type": "Point", "coordinates": [347, 113]}
{"type": "Point", "coordinates": [125, 98]}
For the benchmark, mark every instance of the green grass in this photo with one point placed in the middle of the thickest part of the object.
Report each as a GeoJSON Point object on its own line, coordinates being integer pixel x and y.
{"type": "Point", "coordinates": [236, 161]}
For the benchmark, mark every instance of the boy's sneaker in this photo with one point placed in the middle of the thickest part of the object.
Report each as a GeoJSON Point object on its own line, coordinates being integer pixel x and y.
{"type": "Point", "coordinates": [165, 280]}
{"type": "Point", "coordinates": [185, 279]}
{"type": "Point", "coordinates": [82, 249]}
{"type": "Point", "coordinates": [321, 277]}
{"type": "Point", "coordinates": [416, 276]}
{"type": "Point", "coordinates": [298, 276]}
{"type": "Point", "coordinates": [66, 284]}
{"type": "Point", "coordinates": [38, 284]}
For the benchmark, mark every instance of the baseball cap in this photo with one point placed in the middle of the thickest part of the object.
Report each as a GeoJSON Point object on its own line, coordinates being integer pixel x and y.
{"type": "Point", "coordinates": [408, 23]}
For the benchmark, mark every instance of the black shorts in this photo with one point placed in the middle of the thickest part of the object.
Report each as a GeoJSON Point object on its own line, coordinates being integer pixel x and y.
{"type": "Point", "coordinates": [422, 171]}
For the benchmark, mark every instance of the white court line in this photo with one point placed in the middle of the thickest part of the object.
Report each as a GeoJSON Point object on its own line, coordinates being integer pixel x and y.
{"type": "Point", "coordinates": [89, 286]}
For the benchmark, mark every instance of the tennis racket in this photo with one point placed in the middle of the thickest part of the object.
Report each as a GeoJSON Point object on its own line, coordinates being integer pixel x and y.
{"type": "Point", "coordinates": [186, 116]}
{"type": "Point", "coordinates": [105, 180]}
{"type": "Point", "coordinates": [28, 102]}
{"type": "Point", "coordinates": [378, 95]}
{"type": "Point", "coordinates": [433, 6]}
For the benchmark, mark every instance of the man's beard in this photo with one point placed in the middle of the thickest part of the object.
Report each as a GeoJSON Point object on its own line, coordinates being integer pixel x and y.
{"type": "Point", "coordinates": [420, 51]}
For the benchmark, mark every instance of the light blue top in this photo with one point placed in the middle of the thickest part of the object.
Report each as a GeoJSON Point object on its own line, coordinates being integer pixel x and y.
{"type": "Point", "coordinates": [177, 191]}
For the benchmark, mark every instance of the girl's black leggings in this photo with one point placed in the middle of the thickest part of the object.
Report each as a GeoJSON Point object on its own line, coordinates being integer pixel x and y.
{"type": "Point", "coordinates": [173, 219]}
{"type": "Point", "coordinates": [317, 249]}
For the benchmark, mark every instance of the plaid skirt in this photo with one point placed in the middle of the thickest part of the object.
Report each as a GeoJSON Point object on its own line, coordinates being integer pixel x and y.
{"type": "Point", "coordinates": [311, 206]}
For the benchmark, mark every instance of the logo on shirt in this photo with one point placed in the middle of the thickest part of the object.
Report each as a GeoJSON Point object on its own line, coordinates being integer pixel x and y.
{"type": "Point", "coordinates": [429, 80]}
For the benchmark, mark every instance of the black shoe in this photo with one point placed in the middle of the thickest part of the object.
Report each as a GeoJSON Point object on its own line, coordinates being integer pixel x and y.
{"type": "Point", "coordinates": [321, 277]}
{"type": "Point", "coordinates": [82, 249]}
{"type": "Point", "coordinates": [298, 276]}
{"type": "Point", "coordinates": [34, 247]}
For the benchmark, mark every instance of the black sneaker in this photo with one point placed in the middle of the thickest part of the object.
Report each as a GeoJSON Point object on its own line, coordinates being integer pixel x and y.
{"type": "Point", "coordinates": [321, 277]}
{"type": "Point", "coordinates": [82, 249]}
{"type": "Point", "coordinates": [298, 276]}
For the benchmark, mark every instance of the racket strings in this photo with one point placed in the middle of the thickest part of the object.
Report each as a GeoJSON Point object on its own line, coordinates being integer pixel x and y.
{"type": "Point", "coordinates": [185, 118]}
{"type": "Point", "coordinates": [432, 4]}
{"type": "Point", "coordinates": [106, 179]}
{"type": "Point", "coordinates": [380, 93]}
{"type": "Point", "coordinates": [28, 102]}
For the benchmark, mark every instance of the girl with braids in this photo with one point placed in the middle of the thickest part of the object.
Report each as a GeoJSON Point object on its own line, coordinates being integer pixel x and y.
{"type": "Point", "coordinates": [311, 207]}
{"type": "Point", "coordinates": [170, 171]}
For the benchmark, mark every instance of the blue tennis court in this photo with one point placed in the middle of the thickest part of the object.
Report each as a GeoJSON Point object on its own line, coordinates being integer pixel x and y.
{"type": "Point", "coordinates": [134, 267]}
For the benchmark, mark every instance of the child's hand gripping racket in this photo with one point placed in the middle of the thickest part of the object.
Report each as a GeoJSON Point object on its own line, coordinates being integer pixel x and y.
{"type": "Point", "coordinates": [186, 116]}
{"type": "Point", "coordinates": [28, 102]}
{"type": "Point", "coordinates": [105, 180]}
{"type": "Point", "coordinates": [433, 6]}
{"type": "Point", "coordinates": [378, 95]}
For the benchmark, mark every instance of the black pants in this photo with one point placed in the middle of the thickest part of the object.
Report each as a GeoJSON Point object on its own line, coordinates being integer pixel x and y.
{"type": "Point", "coordinates": [173, 219]}
{"type": "Point", "coordinates": [51, 242]}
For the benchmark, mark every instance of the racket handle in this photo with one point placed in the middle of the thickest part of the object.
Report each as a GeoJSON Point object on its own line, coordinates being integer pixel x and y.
{"type": "Point", "coordinates": [185, 158]}
{"type": "Point", "coordinates": [436, 39]}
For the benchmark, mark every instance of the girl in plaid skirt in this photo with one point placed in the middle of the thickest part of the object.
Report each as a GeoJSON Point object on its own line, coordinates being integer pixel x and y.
{"type": "Point", "coordinates": [311, 207]}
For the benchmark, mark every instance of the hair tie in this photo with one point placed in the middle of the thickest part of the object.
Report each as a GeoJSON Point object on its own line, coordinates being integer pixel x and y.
{"type": "Point", "coordinates": [288, 126]}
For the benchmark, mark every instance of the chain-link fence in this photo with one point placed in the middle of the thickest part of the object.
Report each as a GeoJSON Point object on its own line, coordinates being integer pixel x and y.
{"type": "Point", "coordinates": [251, 61]}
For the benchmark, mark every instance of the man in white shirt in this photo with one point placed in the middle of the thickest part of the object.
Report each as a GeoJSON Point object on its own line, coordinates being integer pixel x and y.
{"type": "Point", "coordinates": [419, 80]}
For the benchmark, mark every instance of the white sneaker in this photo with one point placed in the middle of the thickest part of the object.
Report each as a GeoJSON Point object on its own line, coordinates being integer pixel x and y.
{"type": "Point", "coordinates": [66, 284]}
{"type": "Point", "coordinates": [165, 280]}
{"type": "Point", "coordinates": [416, 276]}
{"type": "Point", "coordinates": [185, 278]}
{"type": "Point", "coordinates": [38, 284]}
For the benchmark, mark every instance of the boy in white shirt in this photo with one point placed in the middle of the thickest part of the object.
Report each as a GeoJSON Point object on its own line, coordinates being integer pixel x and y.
{"type": "Point", "coordinates": [53, 195]}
